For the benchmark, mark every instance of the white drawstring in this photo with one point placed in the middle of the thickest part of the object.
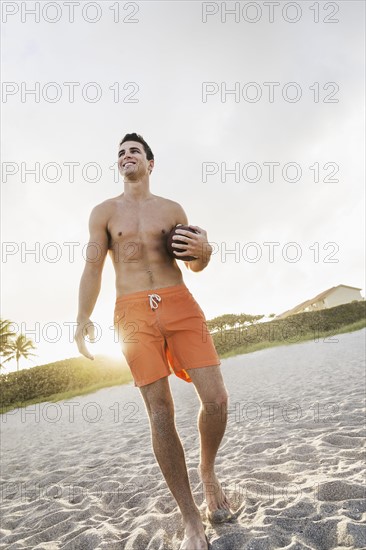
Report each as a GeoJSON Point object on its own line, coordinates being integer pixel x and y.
{"type": "Point", "coordinates": [154, 300]}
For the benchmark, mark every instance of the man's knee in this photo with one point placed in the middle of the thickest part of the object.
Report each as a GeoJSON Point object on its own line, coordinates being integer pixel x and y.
{"type": "Point", "coordinates": [216, 404]}
{"type": "Point", "coordinates": [216, 394]}
{"type": "Point", "coordinates": [161, 412]}
{"type": "Point", "coordinates": [157, 397]}
{"type": "Point", "coordinates": [222, 397]}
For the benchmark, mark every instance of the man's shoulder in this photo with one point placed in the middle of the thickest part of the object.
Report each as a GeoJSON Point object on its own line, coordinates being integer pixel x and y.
{"type": "Point", "coordinates": [168, 202]}
{"type": "Point", "coordinates": [106, 205]}
{"type": "Point", "coordinates": [102, 212]}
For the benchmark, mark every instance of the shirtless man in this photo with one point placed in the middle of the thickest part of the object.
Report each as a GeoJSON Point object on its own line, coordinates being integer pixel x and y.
{"type": "Point", "coordinates": [151, 297]}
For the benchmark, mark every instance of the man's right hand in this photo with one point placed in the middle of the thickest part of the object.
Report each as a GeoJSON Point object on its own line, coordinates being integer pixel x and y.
{"type": "Point", "coordinates": [85, 328]}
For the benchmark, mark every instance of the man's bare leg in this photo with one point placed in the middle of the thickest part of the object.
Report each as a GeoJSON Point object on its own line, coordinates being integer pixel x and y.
{"type": "Point", "coordinates": [211, 423]}
{"type": "Point", "coordinates": [170, 456]}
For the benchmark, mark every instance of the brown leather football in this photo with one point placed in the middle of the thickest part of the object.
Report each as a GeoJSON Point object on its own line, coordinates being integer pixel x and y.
{"type": "Point", "coordinates": [170, 241]}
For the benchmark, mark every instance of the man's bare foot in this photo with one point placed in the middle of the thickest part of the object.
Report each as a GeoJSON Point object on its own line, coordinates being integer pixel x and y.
{"type": "Point", "coordinates": [194, 537]}
{"type": "Point", "coordinates": [195, 543]}
{"type": "Point", "coordinates": [218, 507]}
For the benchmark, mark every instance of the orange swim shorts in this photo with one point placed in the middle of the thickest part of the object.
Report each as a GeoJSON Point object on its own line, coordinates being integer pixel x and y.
{"type": "Point", "coordinates": [163, 331]}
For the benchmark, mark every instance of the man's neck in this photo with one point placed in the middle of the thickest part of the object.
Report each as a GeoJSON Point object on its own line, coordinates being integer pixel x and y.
{"type": "Point", "coordinates": [137, 190]}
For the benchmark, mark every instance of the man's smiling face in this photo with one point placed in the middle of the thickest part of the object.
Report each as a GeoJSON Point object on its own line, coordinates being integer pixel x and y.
{"type": "Point", "coordinates": [132, 161]}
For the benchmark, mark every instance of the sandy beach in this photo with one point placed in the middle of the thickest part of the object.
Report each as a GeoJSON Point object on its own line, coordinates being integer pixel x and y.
{"type": "Point", "coordinates": [81, 475]}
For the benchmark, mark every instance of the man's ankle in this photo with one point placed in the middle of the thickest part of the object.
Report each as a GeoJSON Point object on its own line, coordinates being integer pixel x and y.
{"type": "Point", "coordinates": [193, 519]}
{"type": "Point", "coordinates": [207, 468]}
{"type": "Point", "coordinates": [194, 528]}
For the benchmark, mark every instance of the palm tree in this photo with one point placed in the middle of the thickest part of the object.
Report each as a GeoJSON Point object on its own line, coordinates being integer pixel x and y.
{"type": "Point", "coordinates": [6, 335]}
{"type": "Point", "coordinates": [21, 347]}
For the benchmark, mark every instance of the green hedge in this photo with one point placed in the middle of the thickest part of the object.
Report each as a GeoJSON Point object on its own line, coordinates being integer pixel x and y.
{"type": "Point", "coordinates": [61, 376]}
{"type": "Point", "coordinates": [290, 330]}
{"type": "Point", "coordinates": [80, 373]}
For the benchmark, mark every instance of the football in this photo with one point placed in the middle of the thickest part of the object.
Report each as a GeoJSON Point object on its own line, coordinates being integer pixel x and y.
{"type": "Point", "coordinates": [170, 241]}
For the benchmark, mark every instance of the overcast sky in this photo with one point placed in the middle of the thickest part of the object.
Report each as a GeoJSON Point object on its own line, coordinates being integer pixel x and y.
{"type": "Point", "coordinates": [257, 125]}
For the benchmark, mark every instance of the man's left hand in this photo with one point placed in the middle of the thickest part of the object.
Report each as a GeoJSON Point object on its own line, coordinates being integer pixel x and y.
{"type": "Point", "coordinates": [196, 244]}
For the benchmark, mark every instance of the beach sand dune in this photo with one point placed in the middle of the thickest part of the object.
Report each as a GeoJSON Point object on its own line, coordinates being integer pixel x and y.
{"type": "Point", "coordinates": [80, 474]}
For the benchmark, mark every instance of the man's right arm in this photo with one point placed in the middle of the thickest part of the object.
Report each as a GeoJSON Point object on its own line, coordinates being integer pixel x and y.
{"type": "Point", "coordinates": [90, 283]}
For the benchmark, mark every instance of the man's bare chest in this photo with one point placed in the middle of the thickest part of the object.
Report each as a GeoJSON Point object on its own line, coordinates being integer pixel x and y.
{"type": "Point", "coordinates": [141, 226]}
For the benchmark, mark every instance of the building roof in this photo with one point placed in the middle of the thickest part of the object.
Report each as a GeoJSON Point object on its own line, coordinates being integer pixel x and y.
{"type": "Point", "coordinates": [317, 298]}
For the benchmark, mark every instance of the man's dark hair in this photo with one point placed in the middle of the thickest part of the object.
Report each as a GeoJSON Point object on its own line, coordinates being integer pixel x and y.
{"type": "Point", "coordinates": [139, 139]}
